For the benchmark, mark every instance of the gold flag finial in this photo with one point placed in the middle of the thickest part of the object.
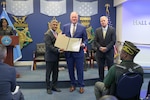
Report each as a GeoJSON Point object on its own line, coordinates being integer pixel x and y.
{"type": "Point", "coordinates": [3, 3]}
{"type": "Point", "coordinates": [59, 24]}
{"type": "Point", "coordinates": [54, 18]}
{"type": "Point", "coordinates": [107, 8]}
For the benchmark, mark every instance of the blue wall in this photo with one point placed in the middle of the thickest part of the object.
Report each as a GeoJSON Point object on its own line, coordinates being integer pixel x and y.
{"type": "Point", "coordinates": [37, 23]}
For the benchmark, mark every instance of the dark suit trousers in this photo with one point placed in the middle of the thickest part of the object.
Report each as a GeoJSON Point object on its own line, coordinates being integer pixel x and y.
{"type": "Point", "coordinates": [18, 96]}
{"type": "Point", "coordinates": [102, 62]}
{"type": "Point", "coordinates": [78, 63]}
{"type": "Point", "coordinates": [51, 68]}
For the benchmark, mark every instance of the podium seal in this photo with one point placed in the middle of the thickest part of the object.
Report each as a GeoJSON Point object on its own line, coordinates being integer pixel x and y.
{"type": "Point", "coordinates": [6, 40]}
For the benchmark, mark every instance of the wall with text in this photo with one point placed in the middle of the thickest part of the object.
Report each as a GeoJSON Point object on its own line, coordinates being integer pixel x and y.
{"type": "Point", "coordinates": [134, 25]}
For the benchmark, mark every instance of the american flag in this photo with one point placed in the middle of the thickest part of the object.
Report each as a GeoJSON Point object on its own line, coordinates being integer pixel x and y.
{"type": "Point", "coordinates": [110, 24]}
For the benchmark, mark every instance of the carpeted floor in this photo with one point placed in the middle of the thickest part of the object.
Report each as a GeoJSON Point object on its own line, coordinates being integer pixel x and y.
{"type": "Point", "coordinates": [32, 84]}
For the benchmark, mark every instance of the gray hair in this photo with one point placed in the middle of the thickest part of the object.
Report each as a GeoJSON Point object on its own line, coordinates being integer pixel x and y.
{"type": "Point", "coordinates": [3, 52]}
{"type": "Point", "coordinates": [108, 97]}
{"type": "Point", "coordinates": [104, 17]}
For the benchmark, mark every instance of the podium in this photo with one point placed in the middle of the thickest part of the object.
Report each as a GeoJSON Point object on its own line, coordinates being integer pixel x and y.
{"type": "Point", "coordinates": [10, 42]}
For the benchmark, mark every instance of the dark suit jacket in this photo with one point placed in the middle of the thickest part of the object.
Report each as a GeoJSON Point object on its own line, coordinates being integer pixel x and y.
{"type": "Point", "coordinates": [8, 31]}
{"type": "Point", "coordinates": [51, 53]}
{"type": "Point", "coordinates": [108, 42]}
{"type": "Point", "coordinates": [79, 33]}
{"type": "Point", "coordinates": [7, 81]}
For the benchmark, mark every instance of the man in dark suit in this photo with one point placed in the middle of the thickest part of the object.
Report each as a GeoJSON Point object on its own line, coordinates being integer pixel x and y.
{"type": "Point", "coordinates": [105, 38]}
{"type": "Point", "coordinates": [8, 79]}
{"type": "Point", "coordinates": [75, 59]}
{"type": "Point", "coordinates": [52, 57]}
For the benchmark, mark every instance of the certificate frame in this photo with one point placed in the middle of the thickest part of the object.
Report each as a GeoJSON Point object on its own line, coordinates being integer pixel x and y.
{"type": "Point", "coordinates": [67, 43]}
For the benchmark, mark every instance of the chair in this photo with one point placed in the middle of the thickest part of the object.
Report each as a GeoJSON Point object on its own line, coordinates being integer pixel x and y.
{"type": "Point", "coordinates": [128, 86]}
{"type": "Point", "coordinates": [62, 57]}
{"type": "Point", "coordinates": [93, 58]}
{"type": "Point", "coordinates": [38, 54]}
{"type": "Point", "coordinates": [87, 59]}
{"type": "Point", "coordinates": [148, 92]}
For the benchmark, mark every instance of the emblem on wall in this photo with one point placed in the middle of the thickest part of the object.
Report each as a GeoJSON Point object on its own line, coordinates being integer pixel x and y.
{"type": "Point", "coordinates": [58, 29]}
{"type": "Point", "coordinates": [6, 40]}
{"type": "Point", "coordinates": [22, 29]}
{"type": "Point", "coordinates": [89, 30]}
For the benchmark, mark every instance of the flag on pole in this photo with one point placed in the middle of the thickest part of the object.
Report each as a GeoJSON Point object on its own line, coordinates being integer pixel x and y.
{"type": "Point", "coordinates": [115, 52]}
{"type": "Point", "coordinates": [110, 24]}
{"type": "Point", "coordinates": [16, 50]}
{"type": "Point", "coordinates": [107, 14]}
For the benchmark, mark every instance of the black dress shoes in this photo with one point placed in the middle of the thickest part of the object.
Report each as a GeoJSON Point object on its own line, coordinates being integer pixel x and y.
{"type": "Point", "coordinates": [56, 89]}
{"type": "Point", "coordinates": [49, 91]}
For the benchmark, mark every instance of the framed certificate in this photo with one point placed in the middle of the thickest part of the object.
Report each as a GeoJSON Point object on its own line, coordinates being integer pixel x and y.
{"type": "Point", "coordinates": [67, 43]}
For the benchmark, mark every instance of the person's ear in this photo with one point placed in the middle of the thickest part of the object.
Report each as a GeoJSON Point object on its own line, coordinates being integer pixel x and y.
{"type": "Point", "coordinates": [125, 55]}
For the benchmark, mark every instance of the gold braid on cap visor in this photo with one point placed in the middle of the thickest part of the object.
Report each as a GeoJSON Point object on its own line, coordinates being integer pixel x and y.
{"type": "Point", "coordinates": [128, 50]}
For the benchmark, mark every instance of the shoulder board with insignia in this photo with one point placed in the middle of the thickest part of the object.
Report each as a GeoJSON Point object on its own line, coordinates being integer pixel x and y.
{"type": "Point", "coordinates": [135, 67]}
{"type": "Point", "coordinates": [123, 67]}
